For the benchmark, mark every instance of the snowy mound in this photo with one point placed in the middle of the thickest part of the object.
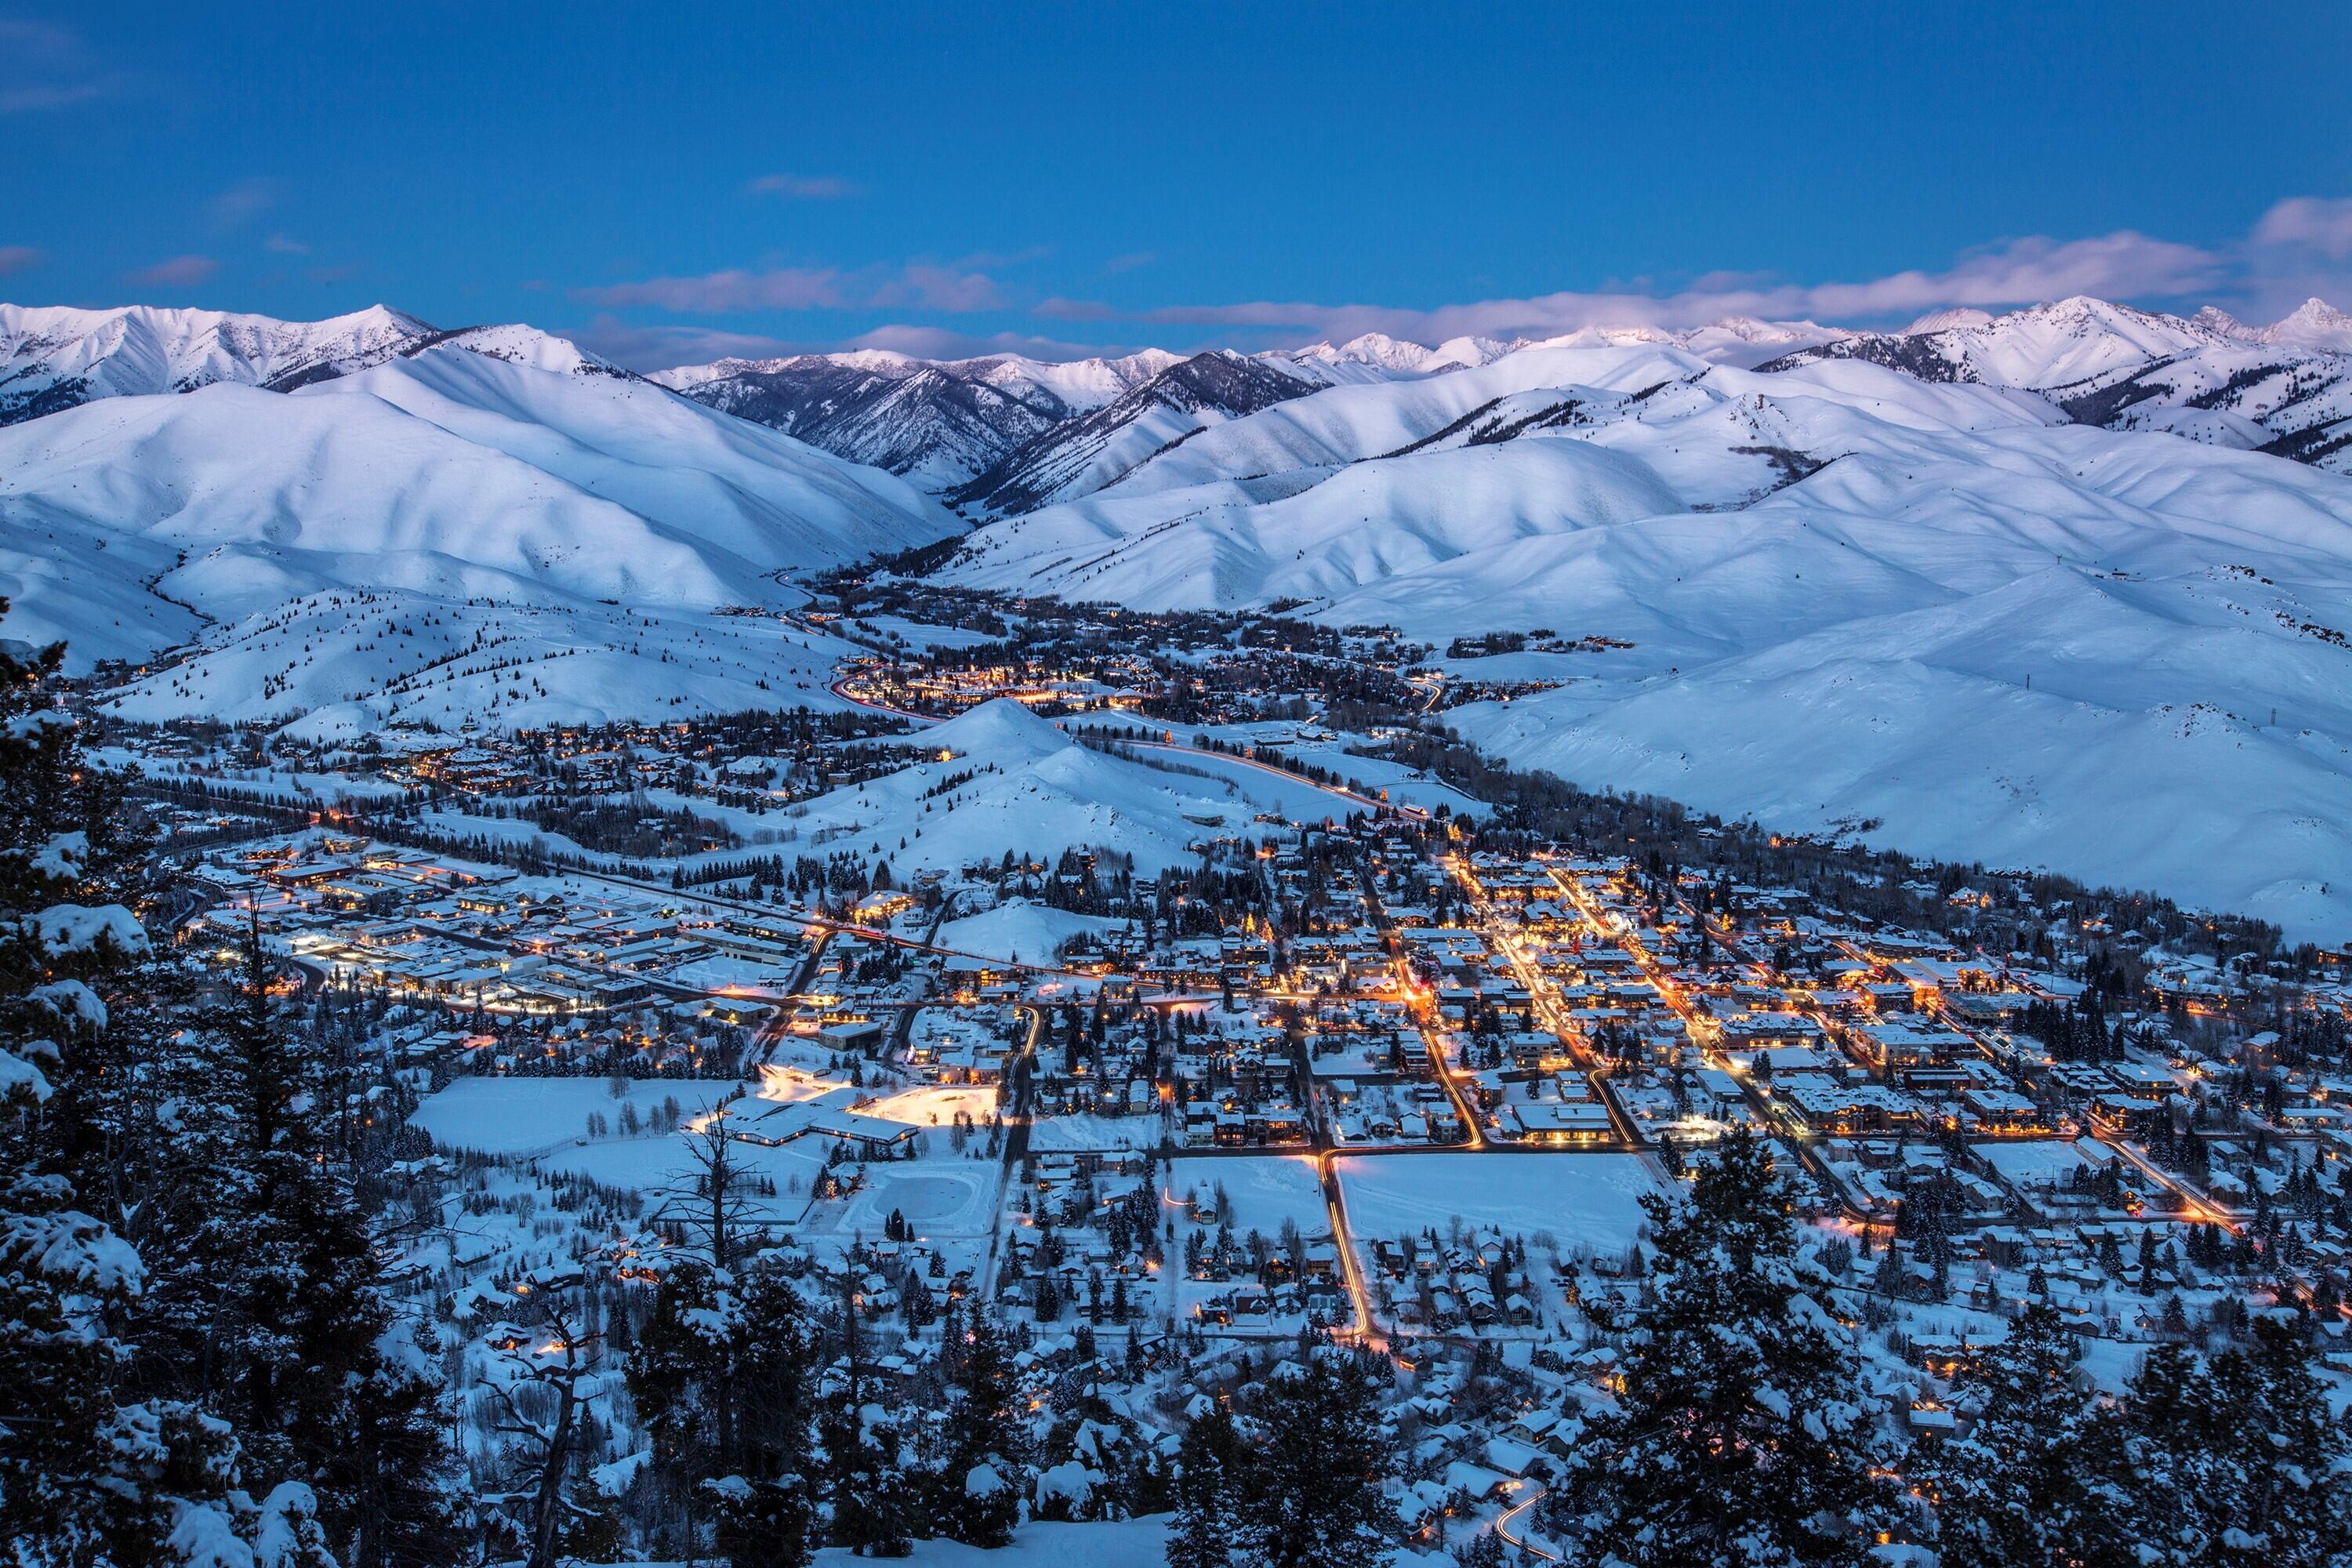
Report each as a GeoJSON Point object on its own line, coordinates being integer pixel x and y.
{"type": "Point", "coordinates": [996, 730]}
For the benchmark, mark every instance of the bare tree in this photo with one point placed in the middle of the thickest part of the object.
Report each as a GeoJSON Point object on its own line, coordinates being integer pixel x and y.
{"type": "Point", "coordinates": [710, 1201]}
{"type": "Point", "coordinates": [553, 1355]}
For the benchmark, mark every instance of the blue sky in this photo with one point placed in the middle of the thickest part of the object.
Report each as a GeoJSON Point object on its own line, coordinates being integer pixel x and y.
{"type": "Point", "coordinates": [674, 181]}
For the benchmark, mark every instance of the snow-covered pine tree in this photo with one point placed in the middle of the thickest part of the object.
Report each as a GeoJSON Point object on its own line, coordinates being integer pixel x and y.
{"type": "Point", "coordinates": [2026, 1484]}
{"type": "Point", "coordinates": [89, 1472]}
{"type": "Point", "coordinates": [978, 1483]}
{"type": "Point", "coordinates": [267, 1294]}
{"type": "Point", "coordinates": [2232, 1459]}
{"type": "Point", "coordinates": [1208, 1521]}
{"type": "Point", "coordinates": [1739, 1441]}
{"type": "Point", "coordinates": [1311, 1485]}
{"type": "Point", "coordinates": [720, 1377]}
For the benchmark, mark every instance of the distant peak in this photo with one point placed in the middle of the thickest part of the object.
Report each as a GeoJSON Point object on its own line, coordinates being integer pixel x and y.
{"type": "Point", "coordinates": [1947, 320]}
{"type": "Point", "coordinates": [2222, 324]}
{"type": "Point", "coordinates": [2314, 324]}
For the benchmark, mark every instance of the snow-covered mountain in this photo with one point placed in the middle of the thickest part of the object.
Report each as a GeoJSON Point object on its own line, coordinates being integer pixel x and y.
{"type": "Point", "coordinates": [1834, 594]}
{"type": "Point", "coordinates": [497, 468]}
{"type": "Point", "coordinates": [938, 422]}
{"type": "Point", "coordinates": [998, 778]}
{"type": "Point", "coordinates": [955, 426]}
{"type": "Point", "coordinates": [1965, 588]}
{"type": "Point", "coordinates": [2286, 388]}
{"type": "Point", "coordinates": [54, 357]}
{"type": "Point", "coordinates": [1083, 454]}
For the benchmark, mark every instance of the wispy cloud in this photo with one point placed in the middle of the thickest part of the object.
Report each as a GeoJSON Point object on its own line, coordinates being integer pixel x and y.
{"type": "Point", "coordinates": [241, 204]}
{"type": "Point", "coordinates": [280, 245]}
{"type": "Point", "coordinates": [721, 293]}
{"type": "Point", "coordinates": [16, 258]}
{"type": "Point", "coordinates": [176, 272]}
{"type": "Point", "coordinates": [917, 285]}
{"type": "Point", "coordinates": [802, 187]}
{"type": "Point", "coordinates": [1056, 308]}
{"type": "Point", "coordinates": [46, 67]}
{"type": "Point", "coordinates": [645, 347]}
{"type": "Point", "coordinates": [2019, 272]}
{"type": "Point", "coordinates": [2301, 248]}
{"type": "Point", "coordinates": [2321, 224]}
{"type": "Point", "coordinates": [1129, 262]}
{"type": "Point", "coordinates": [941, 289]}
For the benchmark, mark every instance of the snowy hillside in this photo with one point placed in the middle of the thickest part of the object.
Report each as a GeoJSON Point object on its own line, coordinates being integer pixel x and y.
{"type": "Point", "coordinates": [955, 424]}
{"type": "Point", "coordinates": [998, 778]}
{"type": "Point", "coordinates": [340, 664]}
{"type": "Point", "coordinates": [1082, 455]}
{"type": "Point", "coordinates": [1837, 581]}
{"type": "Point", "coordinates": [513, 495]}
{"type": "Point", "coordinates": [55, 357]}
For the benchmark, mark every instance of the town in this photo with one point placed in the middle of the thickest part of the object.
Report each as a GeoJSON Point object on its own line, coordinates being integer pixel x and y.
{"type": "Point", "coordinates": [1179, 1008]}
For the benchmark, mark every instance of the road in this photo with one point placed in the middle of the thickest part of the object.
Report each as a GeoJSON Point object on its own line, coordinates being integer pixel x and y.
{"type": "Point", "coordinates": [1503, 1526]}
{"type": "Point", "coordinates": [1018, 1074]}
{"type": "Point", "coordinates": [1546, 1004]}
{"type": "Point", "coordinates": [1796, 1138]}
{"type": "Point", "coordinates": [1365, 1329]}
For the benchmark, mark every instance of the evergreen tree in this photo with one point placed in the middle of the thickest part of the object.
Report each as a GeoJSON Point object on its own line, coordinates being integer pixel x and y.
{"type": "Point", "coordinates": [720, 1377]}
{"type": "Point", "coordinates": [89, 1473]}
{"type": "Point", "coordinates": [1207, 1520]}
{"type": "Point", "coordinates": [2028, 1482]}
{"type": "Point", "coordinates": [976, 1491]}
{"type": "Point", "coordinates": [2233, 1460]}
{"type": "Point", "coordinates": [1310, 1487]}
{"type": "Point", "coordinates": [1738, 1440]}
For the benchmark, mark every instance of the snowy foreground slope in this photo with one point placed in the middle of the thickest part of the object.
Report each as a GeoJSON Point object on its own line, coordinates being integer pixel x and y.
{"type": "Point", "coordinates": [502, 470]}
{"type": "Point", "coordinates": [1935, 612]}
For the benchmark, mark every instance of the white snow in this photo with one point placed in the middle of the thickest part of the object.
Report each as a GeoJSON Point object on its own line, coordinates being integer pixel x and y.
{"type": "Point", "coordinates": [1587, 1202]}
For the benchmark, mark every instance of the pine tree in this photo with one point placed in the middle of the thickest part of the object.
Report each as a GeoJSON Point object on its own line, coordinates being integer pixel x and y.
{"type": "Point", "coordinates": [976, 1494]}
{"type": "Point", "coordinates": [2234, 1460]}
{"type": "Point", "coordinates": [1310, 1487]}
{"type": "Point", "coordinates": [720, 1377]}
{"type": "Point", "coordinates": [1738, 1440]}
{"type": "Point", "coordinates": [88, 1473]}
{"type": "Point", "coordinates": [1207, 1521]}
{"type": "Point", "coordinates": [2026, 1484]}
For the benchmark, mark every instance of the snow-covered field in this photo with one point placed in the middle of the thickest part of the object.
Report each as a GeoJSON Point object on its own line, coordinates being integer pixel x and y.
{"type": "Point", "coordinates": [1118, 1544]}
{"type": "Point", "coordinates": [1588, 1203]}
{"type": "Point", "coordinates": [1018, 929]}
{"type": "Point", "coordinates": [539, 1115]}
{"type": "Point", "coordinates": [1264, 1190]}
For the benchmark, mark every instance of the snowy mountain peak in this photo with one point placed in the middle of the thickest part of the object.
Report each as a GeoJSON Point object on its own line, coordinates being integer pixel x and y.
{"type": "Point", "coordinates": [1946, 320]}
{"type": "Point", "coordinates": [1376, 348]}
{"type": "Point", "coordinates": [2222, 324]}
{"type": "Point", "coordinates": [2314, 324]}
{"type": "Point", "coordinates": [1469, 352]}
{"type": "Point", "coordinates": [54, 357]}
{"type": "Point", "coordinates": [524, 345]}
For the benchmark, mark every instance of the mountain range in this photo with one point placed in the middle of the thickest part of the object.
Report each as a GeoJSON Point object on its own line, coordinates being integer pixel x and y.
{"type": "Point", "coordinates": [2068, 586]}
